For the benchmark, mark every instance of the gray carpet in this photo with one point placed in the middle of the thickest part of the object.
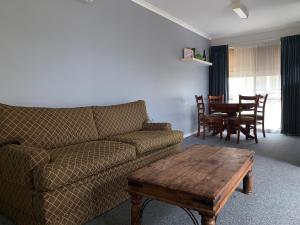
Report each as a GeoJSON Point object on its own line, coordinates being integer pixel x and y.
{"type": "Point", "coordinates": [275, 201]}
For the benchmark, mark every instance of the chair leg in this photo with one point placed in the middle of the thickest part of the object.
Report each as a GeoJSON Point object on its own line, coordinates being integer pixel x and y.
{"type": "Point", "coordinates": [255, 134]}
{"type": "Point", "coordinates": [263, 128]}
{"type": "Point", "coordinates": [203, 131]}
{"type": "Point", "coordinates": [221, 131]}
{"type": "Point", "coordinates": [198, 134]}
{"type": "Point", "coordinates": [247, 131]}
{"type": "Point", "coordinates": [228, 133]}
{"type": "Point", "coordinates": [238, 135]}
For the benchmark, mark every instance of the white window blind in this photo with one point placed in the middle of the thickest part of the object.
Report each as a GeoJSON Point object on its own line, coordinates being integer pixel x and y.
{"type": "Point", "coordinates": [256, 70]}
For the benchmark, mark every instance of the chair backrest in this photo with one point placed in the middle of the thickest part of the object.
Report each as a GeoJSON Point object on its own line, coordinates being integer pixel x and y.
{"type": "Point", "coordinates": [200, 106]}
{"type": "Point", "coordinates": [249, 104]}
{"type": "Point", "coordinates": [262, 104]}
{"type": "Point", "coordinates": [214, 99]}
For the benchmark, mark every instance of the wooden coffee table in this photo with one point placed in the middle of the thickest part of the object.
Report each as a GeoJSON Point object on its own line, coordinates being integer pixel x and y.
{"type": "Point", "coordinates": [201, 178]}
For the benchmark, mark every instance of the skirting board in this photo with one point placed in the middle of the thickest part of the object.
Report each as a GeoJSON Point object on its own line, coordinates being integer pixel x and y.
{"type": "Point", "coordinates": [258, 129]}
{"type": "Point", "coordinates": [189, 134]}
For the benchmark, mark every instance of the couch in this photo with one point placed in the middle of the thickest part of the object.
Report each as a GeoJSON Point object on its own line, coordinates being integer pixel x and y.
{"type": "Point", "coordinates": [65, 166]}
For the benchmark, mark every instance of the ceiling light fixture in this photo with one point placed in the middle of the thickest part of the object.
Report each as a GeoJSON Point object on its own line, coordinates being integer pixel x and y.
{"type": "Point", "coordinates": [88, 1]}
{"type": "Point", "coordinates": [239, 9]}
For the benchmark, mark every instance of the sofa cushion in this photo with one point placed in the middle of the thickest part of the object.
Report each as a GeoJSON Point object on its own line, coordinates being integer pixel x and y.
{"type": "Point", "coordinates": [119, 119]}
{"type": "Point", "coordinates": [147, 141]}
{"type": "Point", "coordinates": [46, 127]}
{"type": "Point", "coordinates": [76, 162]}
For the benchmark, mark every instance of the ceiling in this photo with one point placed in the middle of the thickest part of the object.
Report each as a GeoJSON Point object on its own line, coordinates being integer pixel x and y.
{"type": "Point", "coordinates": [215, 19]}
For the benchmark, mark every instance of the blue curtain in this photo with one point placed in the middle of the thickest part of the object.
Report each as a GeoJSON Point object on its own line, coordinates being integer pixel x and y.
{"type": "Point", "coordinates": [290, 81]}
{"type": "Point", "coordinates": [218, 72]}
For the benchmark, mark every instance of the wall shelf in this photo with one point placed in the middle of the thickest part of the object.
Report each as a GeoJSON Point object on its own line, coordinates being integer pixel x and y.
{"type": "Point", "coordinates": [202, 62]}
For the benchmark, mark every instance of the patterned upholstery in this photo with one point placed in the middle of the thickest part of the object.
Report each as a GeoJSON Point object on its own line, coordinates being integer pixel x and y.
{"type": "Point", "coordinates": [244, 119]}
{"type": "Point", "coordinates": [119, 119]}
{"type": "Point", "coordinates": [76, 162]}
{"type": "Point", "coordinates": [157, 126]}
{"type": "Point", "coordinates": [16, 215]}
{"type": "Point", "coordinates": [220, 114]}
{"type": "Point", "coordinates": [146, 141]}
{"type": "Point", "coordinates": [17, 196]}
{"type": "Point", "coordinates": [211, 118]}
{"type": "Point", "coordinates": [79, 202]}
{"type": "Point", "coordinates": [17, 163]}
{"type": "Point", "coordinates": [95, 194]}
{"type": "Point", "coordinates": [45, 127]}
{"type": "Point", "coordinates": [68, 176]}
{"type": "Point", "coordinates": [259, 117]}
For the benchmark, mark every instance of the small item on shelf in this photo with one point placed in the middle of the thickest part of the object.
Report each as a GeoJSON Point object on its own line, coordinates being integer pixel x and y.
{"type": "Point", "coordinates": [204, 56]}
{"type": "Point", "coordinates": [199, 56]}
{"type": "Point", "coordinates": [194, 50]}
{"type": "Point", "coordinates": [188, 53]}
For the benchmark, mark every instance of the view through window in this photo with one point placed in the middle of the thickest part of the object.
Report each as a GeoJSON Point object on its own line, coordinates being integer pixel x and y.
{"type": "Point", "coordinates": [256, 70]}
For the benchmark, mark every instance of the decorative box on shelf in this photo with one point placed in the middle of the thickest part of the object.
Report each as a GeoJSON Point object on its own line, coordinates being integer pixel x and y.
{"type": "Point", "coordinates": [189, 54]}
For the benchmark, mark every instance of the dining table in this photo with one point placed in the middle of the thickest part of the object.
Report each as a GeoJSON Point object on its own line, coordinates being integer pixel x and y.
{"type": "Point", "coordinates": [232, 109]}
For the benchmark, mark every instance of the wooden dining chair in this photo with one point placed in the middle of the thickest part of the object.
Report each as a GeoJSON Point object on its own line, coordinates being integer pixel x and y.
{"type": "Point", "coordinates": [214, 99]}
{"type": "Point", "coordinates": [245, 122]}
{"type": "Point", "coordinates": [261, 112]}
{"type": "Point", "coordinates": [262, 99]}
{"type": "Point", "coordinates": [209, 121]}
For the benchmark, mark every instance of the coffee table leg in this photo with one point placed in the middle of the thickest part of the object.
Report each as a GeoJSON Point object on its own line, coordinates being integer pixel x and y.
{"type": "Point", "coordinates": [135, 209]}
{"type": "Point", "coordinates": [207, 220]}
{"type": "Point", "coordinates": [248, 183]}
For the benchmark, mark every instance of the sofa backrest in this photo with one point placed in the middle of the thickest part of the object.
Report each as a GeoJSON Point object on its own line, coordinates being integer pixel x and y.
{"type": "Point", "coordinates": [46, 127]}
{"type": "Point", "coordinates": [119, 119]}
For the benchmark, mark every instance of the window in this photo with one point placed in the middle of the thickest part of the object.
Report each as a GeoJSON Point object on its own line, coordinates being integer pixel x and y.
{"type": "Point", "coordinates": [256, 70]}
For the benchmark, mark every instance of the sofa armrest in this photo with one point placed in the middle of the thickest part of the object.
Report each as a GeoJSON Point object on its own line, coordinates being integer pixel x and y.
{"type": "Point", "coordinates": [157, 126]}
{"type": "Point", "coordinates": [17, 163]}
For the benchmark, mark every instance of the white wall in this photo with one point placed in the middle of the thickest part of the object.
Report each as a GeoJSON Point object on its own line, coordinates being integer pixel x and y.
{"type": "Point", "coordinates": [62, 53]}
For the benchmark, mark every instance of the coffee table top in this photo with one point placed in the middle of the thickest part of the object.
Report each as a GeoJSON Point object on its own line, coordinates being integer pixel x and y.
{"type": "Point", "coordinates": [202, 171]}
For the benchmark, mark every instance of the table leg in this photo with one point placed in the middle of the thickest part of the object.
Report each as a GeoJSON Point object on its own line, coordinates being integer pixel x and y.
{"type": "Point", "coordinates": [208, 220]}
{"type": "Point", "coordinates": [136, 209]}
{"type": "Point", "coordinates": [248, 183]}
{"type": "Point", "coordinates": [228, 133]}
